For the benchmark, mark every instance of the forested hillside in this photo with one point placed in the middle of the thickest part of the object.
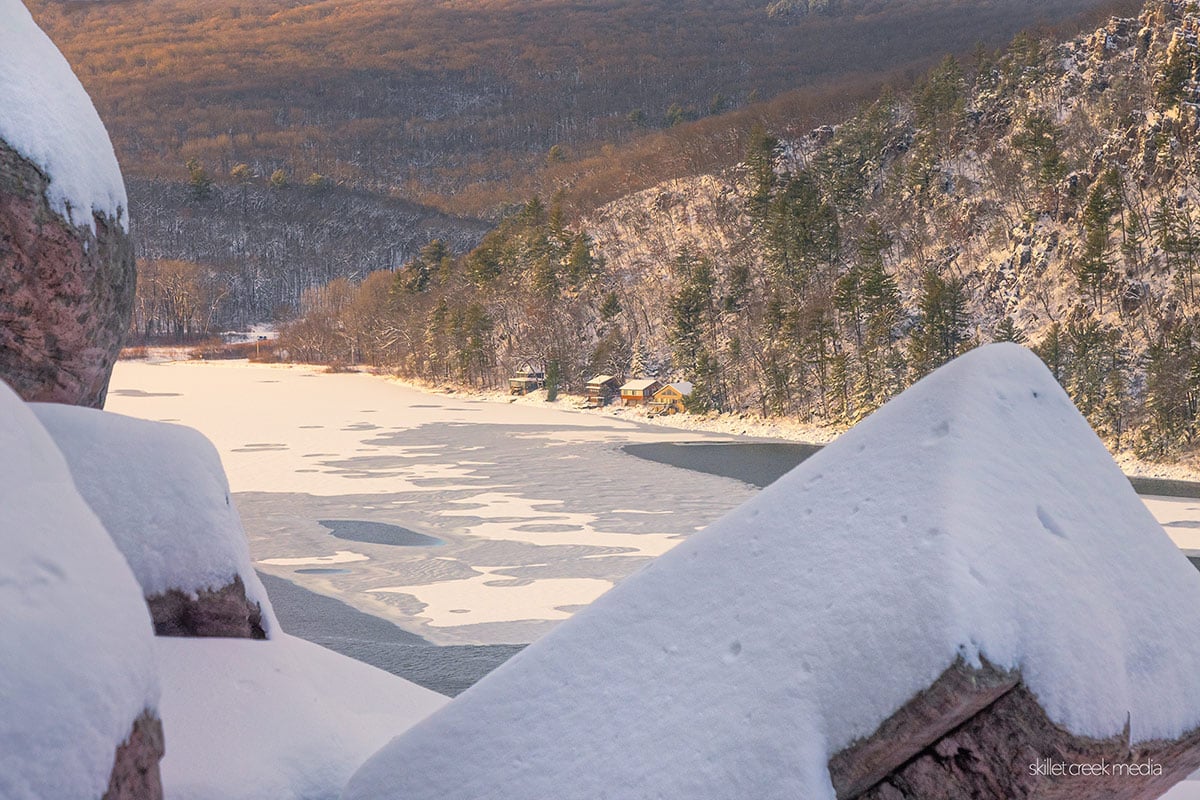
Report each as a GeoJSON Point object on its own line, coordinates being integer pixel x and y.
{"type": "Point", "coordinates": [1045, 194]}
{"type": "Point", "coordinates": [425, 117]}
{"type": "Point", "coordinates": [431, 99]}
{"type": "Point", "coordinates": [230, 256]}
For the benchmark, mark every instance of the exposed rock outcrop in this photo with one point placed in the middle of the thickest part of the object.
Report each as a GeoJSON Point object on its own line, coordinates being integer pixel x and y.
{"type": "Point", "coordinates": [135, 774]}
{"type": "Point", "coordinates": [980, 732]}
{"type": "Point", "coordinates": [220, 612]}
{"type": "Point", "coordinates": [66, 294]}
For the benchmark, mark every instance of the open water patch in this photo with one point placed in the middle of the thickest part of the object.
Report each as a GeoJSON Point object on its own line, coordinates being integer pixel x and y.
{"type": "Point", "coordinates": [322, 571]}
{"type": "Point", "coordinates": [367, 532]}
{"type": "Point", "coordinates": [142, 393]}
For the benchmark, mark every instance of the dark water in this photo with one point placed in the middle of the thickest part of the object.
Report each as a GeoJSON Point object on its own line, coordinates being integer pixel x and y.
{"type": "Point", "coordinates": [358, 530]}
{"type": "Point", "coordinates": [756, 463]}
{"type": "Point", "coordinates": [450, 670]}
{"type": "Point", "coordinates": [762, 463]}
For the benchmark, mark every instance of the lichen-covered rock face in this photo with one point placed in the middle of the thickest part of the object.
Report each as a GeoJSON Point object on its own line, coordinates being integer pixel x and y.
{"type": "Point", "coordinates": [66, 294]}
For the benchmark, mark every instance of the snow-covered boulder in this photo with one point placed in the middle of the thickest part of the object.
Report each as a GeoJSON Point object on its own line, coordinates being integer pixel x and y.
{"type": "Point", "coordinates": [78, 682]}
{"type": "Point", "coordinates": [970, 554]}
{"type": "Point", "coordinates": [66, 259]}
{"type": "Point", "coordinates": [282, 719]}
{"type": "Point", "coordinates": [161, 492]}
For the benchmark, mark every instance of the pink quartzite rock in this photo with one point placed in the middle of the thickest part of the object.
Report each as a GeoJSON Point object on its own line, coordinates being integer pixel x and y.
{"type": "Point", "coordinates": [980, 733]}
{"type": "Point", "coordinates": [135, 774]}
{"type": "Point", "coordinates": [220, 612]}
{"type": "Point", "coordinates": [66, 294]}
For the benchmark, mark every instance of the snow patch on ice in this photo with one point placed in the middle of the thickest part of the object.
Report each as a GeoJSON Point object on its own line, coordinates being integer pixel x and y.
{"type": "Point", "coordinates": [339, 557]}
{"type": "Point", "coordinates": [46, 116]}
{"type": "Point", "coordinates": [490, 597]}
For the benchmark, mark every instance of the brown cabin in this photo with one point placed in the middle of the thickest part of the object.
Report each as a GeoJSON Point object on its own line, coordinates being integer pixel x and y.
{"type": "Point", "coordinates": [672, 398]}
{"type": "Point", "coordinates": [602, 390]}
{"type": "Point", "coordinates": [526, 382]}
{"type": "Point", "coordinates": [639, 391]}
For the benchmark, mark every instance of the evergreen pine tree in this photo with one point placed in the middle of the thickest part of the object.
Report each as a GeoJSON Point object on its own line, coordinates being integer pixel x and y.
{"type": "Point", "coordinates": [941, 332]}
{"type": "Point", "coordinates": [760, 161]}
{"type": "Point", "coordinates": [199, 181]}
{"type": "Point", "coordinates": [1007, 331]}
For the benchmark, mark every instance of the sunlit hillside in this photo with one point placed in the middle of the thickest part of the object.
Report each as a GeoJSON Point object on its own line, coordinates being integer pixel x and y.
{"type": "Point", "coordinates": [465, 104]}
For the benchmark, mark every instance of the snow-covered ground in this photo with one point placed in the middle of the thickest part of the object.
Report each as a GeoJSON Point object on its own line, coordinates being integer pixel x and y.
{"type": "Point", "coordinates": [243, 719]}
{"type": "Point", "coordinates": [283, 718]}
{"type": "Point", "coordinates": [539, 509]}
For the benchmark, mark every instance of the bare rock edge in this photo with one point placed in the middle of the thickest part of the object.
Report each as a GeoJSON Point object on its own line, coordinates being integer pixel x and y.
{"type": "Point", "coordinates": [135, 774]}
{"type": "Point", "coordinates": [979, 732]}
{"type": "Point", "coordinates": [66, 294]}
{"type": "Point", "coordinates": [212, 612]}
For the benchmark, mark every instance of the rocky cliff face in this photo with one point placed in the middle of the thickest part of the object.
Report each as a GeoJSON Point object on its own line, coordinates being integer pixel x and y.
{"type": "Point", "coordinates": [66, 294]}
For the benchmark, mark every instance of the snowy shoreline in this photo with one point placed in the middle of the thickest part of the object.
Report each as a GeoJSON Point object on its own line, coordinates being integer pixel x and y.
{"type": "Point", "coordinates": [751, 425]}
{"type": "Point", "coordinates": [743, 425]}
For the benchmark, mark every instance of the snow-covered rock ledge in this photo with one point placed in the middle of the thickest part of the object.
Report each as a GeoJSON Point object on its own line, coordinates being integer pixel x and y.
{"type": "Point", "coordinates": [66, 259]}
{"type": "Point", "coordinates": [79, 685]}
{"type": "Point", "coordinates": [161, 492]}
{"type": "Point", "coordinates": [960, 597]}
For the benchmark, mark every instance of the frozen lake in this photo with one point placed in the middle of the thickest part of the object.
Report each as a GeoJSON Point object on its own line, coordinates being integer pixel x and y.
{"type": "Point", "coordinates": [462, 521]}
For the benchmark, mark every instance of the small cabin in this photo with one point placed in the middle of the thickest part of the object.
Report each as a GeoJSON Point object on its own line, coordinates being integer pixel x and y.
{"type": "Point", "coordinates": [526, 381]}
{"type": "Point", "coordinates": [672, 398]}
{"type": "Point", "coordinates": [602, 390]}
{"type": "Point", "coordinates": [639, 391]}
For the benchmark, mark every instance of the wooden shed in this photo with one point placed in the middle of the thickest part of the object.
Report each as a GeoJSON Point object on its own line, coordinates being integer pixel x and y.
{"type": "Point", "coordinates": [639, 391]}
{"type": "Point", "coordinates": [526, 381]}
{"type": "Point", "coordinates": [672, 398]}
{"type": "Point", "coordinates": [602, 390]}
